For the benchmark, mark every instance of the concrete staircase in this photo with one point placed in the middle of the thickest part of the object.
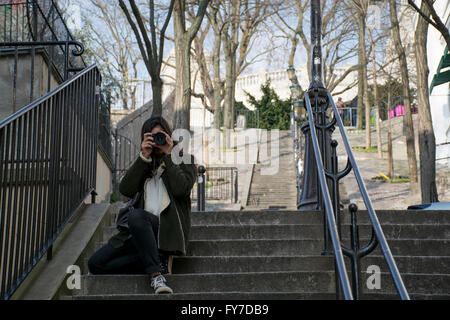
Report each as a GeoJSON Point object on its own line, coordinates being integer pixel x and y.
{"type": "Point", "coordinates": [241, 255]}
{"type": "Point", "coordinates": [279, 190]}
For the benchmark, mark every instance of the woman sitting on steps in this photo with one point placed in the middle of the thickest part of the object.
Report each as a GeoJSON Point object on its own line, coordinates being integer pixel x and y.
{"type": "Point", "coordinates": [160, 223]}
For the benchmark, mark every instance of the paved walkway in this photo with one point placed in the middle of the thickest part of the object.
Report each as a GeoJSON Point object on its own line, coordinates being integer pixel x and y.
{"type": "Point", "coordinates": [246, 145]}
{"type": "Point", "coordinates": [385, 195]}
{"type": "Point", "coordinates": [242, 153]}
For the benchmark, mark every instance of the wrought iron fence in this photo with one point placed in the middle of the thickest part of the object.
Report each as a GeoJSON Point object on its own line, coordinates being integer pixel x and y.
{"type": "Point", "coordinates": [221, 185]}
{"type": "Point", "coordinates": [125, 153]}
{"type": "Point", "coordinates": [247, 118]}
{"type": "Point", "coordinates": [31, 29]}
{"type": "Point", "coordinates": [105, 137]}
{"type": "Point", "coordinates": [37, 21]}
{"type": "Point", "coordinates": [244, 118]}
{"type": "Point", "coordinates": [47, 169]}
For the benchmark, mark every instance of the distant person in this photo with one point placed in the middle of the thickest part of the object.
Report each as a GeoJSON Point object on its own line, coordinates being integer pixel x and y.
{"type": "Point", "coordinates": [341, 107]}
{"type": "Point", "coordinates": [159, 224]}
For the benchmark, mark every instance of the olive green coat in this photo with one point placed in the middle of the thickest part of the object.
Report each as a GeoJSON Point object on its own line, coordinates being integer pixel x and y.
{"type": "Point", "coordinates": [175, 221]}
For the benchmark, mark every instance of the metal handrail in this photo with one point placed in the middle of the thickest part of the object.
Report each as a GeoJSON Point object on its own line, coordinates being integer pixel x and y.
{"type": "Point", "coordinates": [55, 35]}
{"type": "Point", "coordinates": [47, 169]}
{"type": "Point", "coordinates": [368, 202]}
{"type": "Point", "coordinates": [330, 214]}
{"type": "Point", "coordinates": [44, 98]}
{"type": "Point", "coordinates": [60, 18]}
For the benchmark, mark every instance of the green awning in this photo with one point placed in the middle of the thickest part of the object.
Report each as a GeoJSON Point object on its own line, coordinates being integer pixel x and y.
{"type": "Point", "coordinates": [442, 76]}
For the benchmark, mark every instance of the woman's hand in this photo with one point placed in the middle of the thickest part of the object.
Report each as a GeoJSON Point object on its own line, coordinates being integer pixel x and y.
{"type": "Point", "coordinates": [147, 145]}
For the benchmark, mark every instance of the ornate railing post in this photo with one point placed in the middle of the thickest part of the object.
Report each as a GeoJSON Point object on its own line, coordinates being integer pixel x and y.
{"type": "Point", "coordinates": [355, 253]}
{"type": "Point", "coordinates": [201, 189]}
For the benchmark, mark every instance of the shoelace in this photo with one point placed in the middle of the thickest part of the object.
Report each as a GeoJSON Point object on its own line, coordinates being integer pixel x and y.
{"type": "Point", "coordinates": [158, 281]}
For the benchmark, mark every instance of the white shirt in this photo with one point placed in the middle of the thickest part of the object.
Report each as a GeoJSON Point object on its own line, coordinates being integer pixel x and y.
{"type": "Point", "coordinates": [156, 197]}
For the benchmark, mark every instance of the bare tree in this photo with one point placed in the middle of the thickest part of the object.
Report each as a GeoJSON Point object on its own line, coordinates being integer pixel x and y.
{"type": "Point", "coordinates": [212, 86]}
{"type": "Point", "coordinates": [240, 21]}
{"type": "Point", "coordinates": [427, 140]}
{"type": "Point", "coordinates": [361, 7]}
{"type": "Point", "coordinates": [150, 40]}
{"type": "Point", "coordinates": [113, 49]}
{"type": "Point", "coordinates": [183, 40]}
{"type": "Point", "coordinates": [230, 38]}
{"type": "Point", "coordinates": [337, 32]}
{"type": "Point", "coordinates": [234, 25]}
{"type": "Point", "coordinates": [410, 144]}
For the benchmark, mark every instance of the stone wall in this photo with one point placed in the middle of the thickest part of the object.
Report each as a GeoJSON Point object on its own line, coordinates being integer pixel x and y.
{"type": "Point", "coordinates": [23, 93]}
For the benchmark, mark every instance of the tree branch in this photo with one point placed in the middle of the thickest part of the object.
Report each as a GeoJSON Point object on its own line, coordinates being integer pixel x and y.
{"type": "Point", "coordinates": [427, 18]}
{"type": "Point", "coordinates": [437, 23]}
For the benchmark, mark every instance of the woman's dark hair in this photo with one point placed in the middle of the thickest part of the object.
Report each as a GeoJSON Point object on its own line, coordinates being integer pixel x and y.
{"type": "Point", "coordinates": [150, 124]}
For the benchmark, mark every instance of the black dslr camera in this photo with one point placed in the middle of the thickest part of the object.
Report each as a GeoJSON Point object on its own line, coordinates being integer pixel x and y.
{"type": "Point", "coordinates": [159, 139]}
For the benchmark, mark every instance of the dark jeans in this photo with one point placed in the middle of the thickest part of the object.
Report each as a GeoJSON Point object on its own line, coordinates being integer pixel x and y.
{"type": "Point", "coordinates": [139, 255]}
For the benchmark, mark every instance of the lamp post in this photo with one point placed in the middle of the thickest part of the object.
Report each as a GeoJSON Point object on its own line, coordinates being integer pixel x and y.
{"type": "Point", "coordinates": [310, 195]}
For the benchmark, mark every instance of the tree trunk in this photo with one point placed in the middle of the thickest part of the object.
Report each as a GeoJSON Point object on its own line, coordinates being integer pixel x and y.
{"type": "Point", "coordinates": [124, 95]}
{"type": "Point", "coordinates": [410, 144]}
{"type": "Point", "coordinates": [181, 115]}
{"type": "Point", "coordinates": [363, 79]}
{"type": "Point", "coordinates": [217, 81]}
{"type": "Point", "coordinates": [183, 41]}
{"type": "Point", "coordinates": [182, 83]}
{"type": "Point", "coordinates": [427, 141]}
{"type": "Point", "coordinates": [157, 97]}
{"type": "Point", "coordinates": [391, 168]}
{"type": "Point", "coordinates": [231, 43]}
{"type": "Point", "coordinates": [376, 98]}
{"type": "Point", "coordinates": [360, 105]}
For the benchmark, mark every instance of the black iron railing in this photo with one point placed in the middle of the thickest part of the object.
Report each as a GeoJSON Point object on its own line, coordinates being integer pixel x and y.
{"type": "Point", "coordinates": [37, 21]}
{"type": "Point", "coordinates": [250, 118]}
{"type": "Point", "coordinates": [321, 178]}
{"type": "Point", "coordinates": [125, 153]}
{"type": "Point", "coordinates": [105, 137]}
{"type": "Point", "coordinates": [48, 156]}
{"type": "Point", "coordinates": [220, 184]}
{"type": "Point", "coordinates": [329, 199]}
{"type": "Point", "coordinates": [36, 28]}
{"type": "Point", "coordinates": [324, 200]}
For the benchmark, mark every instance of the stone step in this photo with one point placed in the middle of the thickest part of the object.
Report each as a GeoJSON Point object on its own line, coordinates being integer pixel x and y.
{"type": "Point", "coordinates": [269, 196]}
{"type": "Point", "coordinates": [274, 189]}
{"type": "Point", "coordinates": [314, 231]}
{"type": "Point", "coordinates": [292, 281]}
{"type": "Point", "coordinates": [256, 204]}
{"type": "Point", "coordinates": [237, 296]}
{"type": "Point", "coordinates": [309, 231]}
{"type": "Point", "coordinates": [308, 217]}
{"type": "Point", "coordinates": [280, 176]}
{"type": "Point", "coordinates": [267, 207]}
{"type": "Point", "coordinates": [306, 247]}
{"type": "Point", "coordinates": [405, 264]}
{"type": "Point", "coordinates": [287, 179]}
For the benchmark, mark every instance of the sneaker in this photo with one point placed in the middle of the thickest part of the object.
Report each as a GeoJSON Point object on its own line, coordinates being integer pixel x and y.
{"type": "Point", "coordinates": [160, 286]}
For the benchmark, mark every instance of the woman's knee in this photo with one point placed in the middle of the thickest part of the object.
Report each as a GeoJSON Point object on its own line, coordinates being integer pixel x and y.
{"type": "Point", "coordinates": [94, 265]}
{"type": "Point", "coordinates": [136, 218]}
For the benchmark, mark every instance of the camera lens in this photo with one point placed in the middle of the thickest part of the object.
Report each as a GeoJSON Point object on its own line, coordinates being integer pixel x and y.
{"type": "Point", "coordinates": [160, 139]}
